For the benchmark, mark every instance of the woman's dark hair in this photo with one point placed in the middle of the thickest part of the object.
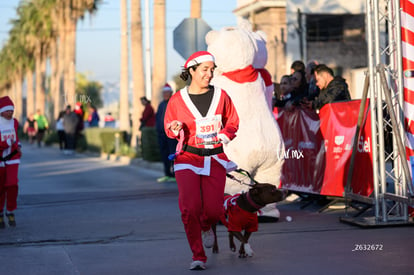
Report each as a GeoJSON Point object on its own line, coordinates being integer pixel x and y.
{"type": "Point", "coordinates": [185, 73]}
{"type": "Point", "coordinates": [303, 88]}
{"type": "Point", "coordinates": [298, 65]}
{"type": "Point", "coordinates": [145, 99]}
{"type": "Point", "coordinates": [61, 114]}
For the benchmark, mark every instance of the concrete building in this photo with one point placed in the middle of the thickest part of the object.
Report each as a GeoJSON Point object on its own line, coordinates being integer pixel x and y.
{"type": "Point", "coordinates": [331, 32]}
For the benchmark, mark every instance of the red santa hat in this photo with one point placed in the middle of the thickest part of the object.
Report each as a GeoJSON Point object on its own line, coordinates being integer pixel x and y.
{"type": "Point", "coordinates": [78, 108]}
{"type": "Point", "coordinates": [197, 58]}
{"type": "Point", "coordinates": [167, 88]}
{"type": "Point", "coordinates": [6, 104]}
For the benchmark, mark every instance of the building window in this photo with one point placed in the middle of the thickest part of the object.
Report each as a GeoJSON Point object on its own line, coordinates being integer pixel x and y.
{"type": "Point", "coordinates": [335, 27]}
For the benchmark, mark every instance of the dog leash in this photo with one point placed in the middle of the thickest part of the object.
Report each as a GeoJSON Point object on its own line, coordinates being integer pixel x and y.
{"type": "Point", "coordinates": [243, 172]}
{"type": "Point", "coordinates": [179, 147]}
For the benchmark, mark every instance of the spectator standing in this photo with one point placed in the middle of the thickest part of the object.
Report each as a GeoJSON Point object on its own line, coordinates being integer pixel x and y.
{"type": "Point", "coordinates": [93, 118]}
{"type": "Point", "coordinates": [80, 113]}
{"type": "Point", "coordinates": [148, 115]}
{"type": "Point", "coordinates": [203, 117]}
{"type": "Point", "coordinates": [30, 128]}
{"type": "Point", "coordinates": [332, 88]}
{"type": "Point", "coordinates": [61, 131]}
{"type": "Point", "coordinates": [167, 145]}
{"type": "Point", "coordinates": [286, 89]}
{"type": "Point", "coordinates": [10, 160]}
{"type": "Point", "coordinates": [42, 126]}
{"type": "Point", "coordinates": [299, 85]}
{"type": "Point", "coordinates": [109, 120]}
{"type": "Point", "coordinates": [313, 90]}
{"type": "Point", "coordinates": [70, 125]}
{"type": "Point", "coordinates": [297, 65]}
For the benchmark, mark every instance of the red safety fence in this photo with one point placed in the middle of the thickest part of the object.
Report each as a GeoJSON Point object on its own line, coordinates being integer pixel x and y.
{"type": "Point", "coordinates": [318, 149]}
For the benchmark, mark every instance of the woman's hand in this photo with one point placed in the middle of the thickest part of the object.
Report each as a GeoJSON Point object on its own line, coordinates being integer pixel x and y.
{"type": "Point", "coordinates": [176, 126]}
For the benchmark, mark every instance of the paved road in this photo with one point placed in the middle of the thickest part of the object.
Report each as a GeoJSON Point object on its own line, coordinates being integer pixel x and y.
{"type": "Point", "coordinates": [85, 215]}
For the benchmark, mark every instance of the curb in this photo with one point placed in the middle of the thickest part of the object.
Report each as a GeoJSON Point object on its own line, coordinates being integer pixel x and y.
{"type": "Point", "coordinates": [133, 161]}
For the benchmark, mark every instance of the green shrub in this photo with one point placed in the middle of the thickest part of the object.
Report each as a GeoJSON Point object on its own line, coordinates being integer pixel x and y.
{"type": "Point", "coordinates": [108, 141]}
{"type": "Point", "coordinates": [93, 135]}
{"type": "Point", "coordinates": [51, 137]}
{"type": "Point", "coordinates": [149, 144]}
{"type": "Point", "coordinates": [81, 143]}
{"type": "Point", "coordinates": [103, 140]}
{"type": "Point", "coordinates": [20, 134]}
{"type": "Point", "coordinates": [128, 151]}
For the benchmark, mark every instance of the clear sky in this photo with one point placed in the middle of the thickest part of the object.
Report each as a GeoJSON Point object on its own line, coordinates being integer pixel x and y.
{"type": "Point", "coordinates": [98, 40]}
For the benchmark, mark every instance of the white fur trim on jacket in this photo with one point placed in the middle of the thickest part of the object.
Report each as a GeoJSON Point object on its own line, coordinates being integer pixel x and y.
{"type": "Point", "coordinates": [13, 161]}
{"type": "Point", "coordinates": [205, 170]}
{"type": "Point", "coordinates": [224, 139]}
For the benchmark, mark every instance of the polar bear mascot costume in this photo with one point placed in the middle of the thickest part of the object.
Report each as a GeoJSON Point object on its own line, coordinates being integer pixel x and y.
{"type": "Point", "coordinates": [258, 147]}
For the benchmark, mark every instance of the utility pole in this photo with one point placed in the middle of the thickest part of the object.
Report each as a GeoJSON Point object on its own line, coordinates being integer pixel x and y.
{"type": "Point", "coordinates": [124, 78]}
{"type": "Point", "coordinates": [159, 72]}
{"type": "Point", "coordinates": [195, 9]}
{"type": "Point", "coordinates": [147, 52]}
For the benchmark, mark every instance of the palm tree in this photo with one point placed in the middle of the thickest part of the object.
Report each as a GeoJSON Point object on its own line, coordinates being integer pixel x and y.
{"type": "Point", "coordinates": [16, 53]}
{"type": "Point", "coordinates": [58, 16]}
{"type": "Point", "coordinates": [159, 71]}
{"type": "Point", "coordinates": [53, 9]}
{"type": "Point", "coordinates": [36, 25]}
{"type": "Point", "coordinates": [14, 63]}
{"type": "Point", "coordinates": [138, 89]}
{"type": "Point", "coordinates": [123, 95]}
{"type": "Point", "coordinates": [73, 10]}
{"type": "Point", "coordinates": [26, 52]}
{"type": "Point", "coordinates": [36, 29]}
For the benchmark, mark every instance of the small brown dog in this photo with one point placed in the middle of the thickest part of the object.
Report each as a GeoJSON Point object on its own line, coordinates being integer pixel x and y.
{"type": "Point", "coordinates": [241, 212]}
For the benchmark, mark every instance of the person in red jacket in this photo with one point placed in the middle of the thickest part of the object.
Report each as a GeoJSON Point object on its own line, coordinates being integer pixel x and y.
{"type": "Point", "coordinates": [148, 115]}
{"type": "Point", "coordinates": [9, 161]}
{"type": "Point", "coordinates": [203, 118]}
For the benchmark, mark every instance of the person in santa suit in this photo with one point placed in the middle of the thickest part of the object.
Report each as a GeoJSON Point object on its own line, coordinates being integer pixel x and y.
{"type": "Point", "coordinates": [10, 154]}
{"type": "Point", "coordinates": [203, 118]}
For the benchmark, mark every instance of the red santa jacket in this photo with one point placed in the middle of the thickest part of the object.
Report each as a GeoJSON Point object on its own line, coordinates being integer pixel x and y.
{"type": "Point", "coordinates": [180, 107]}
{"type": "Point", "coordinates": [9, 141]}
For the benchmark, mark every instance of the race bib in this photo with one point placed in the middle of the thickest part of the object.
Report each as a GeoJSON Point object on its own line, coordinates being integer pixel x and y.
{"type": "Point", "coordinates": [8, 134]}
{"type": "Point", "coordinates": [207, 130]}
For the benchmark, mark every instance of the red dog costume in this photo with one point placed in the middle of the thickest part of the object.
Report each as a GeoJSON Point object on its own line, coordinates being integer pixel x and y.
{"type": "Point", "coordinates": [237, 218]}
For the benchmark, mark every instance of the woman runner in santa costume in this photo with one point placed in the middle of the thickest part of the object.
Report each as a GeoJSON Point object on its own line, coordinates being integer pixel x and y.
{"type": "Point", "coordinates": [9, 160]}
{"type": "Point", "coordinates": [203, 118]}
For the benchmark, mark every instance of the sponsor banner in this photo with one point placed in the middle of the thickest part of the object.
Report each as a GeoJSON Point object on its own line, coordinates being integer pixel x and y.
{"type": "Point", "coordinates": [323, 147]}
{"type": "Point", "coordinates": [304, 166]}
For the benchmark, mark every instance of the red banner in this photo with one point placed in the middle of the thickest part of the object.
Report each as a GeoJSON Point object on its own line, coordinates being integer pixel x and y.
{"type": "Point", "coordinates": [319, 147]}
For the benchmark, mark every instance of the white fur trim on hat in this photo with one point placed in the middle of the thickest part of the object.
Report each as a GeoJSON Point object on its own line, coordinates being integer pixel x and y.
{"type": "Point", "coordinates": [198, 57]}
{"type": "Point", "coordinates": [201, 59]}
{"type": "Point", "coordinates": [167, 88]}
{"type": "Point", "coordinates": [7, 108]}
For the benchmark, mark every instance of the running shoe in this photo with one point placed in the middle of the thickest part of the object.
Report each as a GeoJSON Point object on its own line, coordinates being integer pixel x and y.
{"type": "Point", "coordinates": [197, 265]}
{"type": "Point", "coordinates": [208, 238]}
